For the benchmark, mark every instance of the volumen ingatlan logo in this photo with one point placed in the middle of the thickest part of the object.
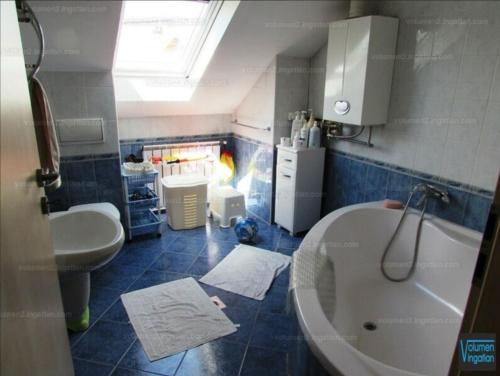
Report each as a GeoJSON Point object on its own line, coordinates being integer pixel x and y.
{"type": "Point", "coordinates": [477, 352]}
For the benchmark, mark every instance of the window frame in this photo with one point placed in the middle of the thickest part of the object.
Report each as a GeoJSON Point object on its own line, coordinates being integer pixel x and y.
{"type": "Point", "coordinates": [193, 53]}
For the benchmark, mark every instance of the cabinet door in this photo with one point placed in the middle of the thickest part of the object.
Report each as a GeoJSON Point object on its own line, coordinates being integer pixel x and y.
{"type": "Point", "coordinates": [356, 58]}
{"type": "Point", "coordinates": [337, 38]}
{"type": "Point", "coordinates": [285, 198]}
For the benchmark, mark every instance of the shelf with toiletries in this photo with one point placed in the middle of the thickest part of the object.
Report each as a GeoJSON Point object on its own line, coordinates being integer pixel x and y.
{"type": "Point", "coordinates": [142, 210]}
{"type": "Point", "coordinates": [305, 131]}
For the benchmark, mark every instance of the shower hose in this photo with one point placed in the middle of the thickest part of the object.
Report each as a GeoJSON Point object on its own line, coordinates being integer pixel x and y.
{"type": "Point", "coordinates": [423, 202]}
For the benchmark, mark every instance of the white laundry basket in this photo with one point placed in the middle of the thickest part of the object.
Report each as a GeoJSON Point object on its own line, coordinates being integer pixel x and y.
{"type": "Point", "coordinates": [185, 198]}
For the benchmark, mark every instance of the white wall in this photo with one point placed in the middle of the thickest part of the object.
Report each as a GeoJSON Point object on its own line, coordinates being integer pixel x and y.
{"type": "Point", "coordinates": [257, 108]}
{"type": "Point", "coordinates": [173, 126]}
{"type": "Point", "coordinates": [444, 116]}
{"type": "Point", "coordinates": [292, 83]}
{"type": "Point", "coordinates": [317, 82]}
{"type": "Point", "coordinates": [281, 88]}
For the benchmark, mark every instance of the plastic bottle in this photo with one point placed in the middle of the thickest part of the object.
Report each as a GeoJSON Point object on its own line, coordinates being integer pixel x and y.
{"type": "Point", "coordinates": [304, 134]}
{"type": "Point", "coordinates": [310, 122]}
{"type": "Point", "coordinates": [296, 125]}
{"type": "Point", "coordinates": [314, 136]}
{"type": "Point", "coordinates": [297, 142]}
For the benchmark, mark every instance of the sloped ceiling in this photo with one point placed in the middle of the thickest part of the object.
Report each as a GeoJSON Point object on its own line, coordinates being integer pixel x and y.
{"type": "Point", "coordinates": [79, 35]}
{"type": "Point", "coordinates": [258, 32]}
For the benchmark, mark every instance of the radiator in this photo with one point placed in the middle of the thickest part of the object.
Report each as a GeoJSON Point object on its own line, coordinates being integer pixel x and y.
{"type": "Point", "coordinates": [202, 159]}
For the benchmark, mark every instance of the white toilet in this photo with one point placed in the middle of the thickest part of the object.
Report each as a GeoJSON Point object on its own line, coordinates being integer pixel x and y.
{"type": "Point", "coordinates": [85, 238]}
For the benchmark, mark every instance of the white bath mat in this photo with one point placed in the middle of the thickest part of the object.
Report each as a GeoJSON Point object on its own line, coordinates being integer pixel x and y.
{"type": "Point", "coordinates": [174, 317]}
{"type": "Point", "coordinates": [247, 271]}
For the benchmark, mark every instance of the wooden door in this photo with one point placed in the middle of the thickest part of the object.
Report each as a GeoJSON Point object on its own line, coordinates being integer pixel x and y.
{"type": "Point", "coordinates": [482, 313]}
{"type": "Point", "coordinates": [33, 334]}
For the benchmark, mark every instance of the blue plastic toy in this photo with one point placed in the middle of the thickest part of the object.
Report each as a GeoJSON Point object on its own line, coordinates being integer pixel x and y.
{"type": "Point", "coordinates": [246, 230]}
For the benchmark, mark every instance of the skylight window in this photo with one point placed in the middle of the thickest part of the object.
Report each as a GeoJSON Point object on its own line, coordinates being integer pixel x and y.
{"type": "Point", "coordinates": [164, 47]}
{"type": "Point", "coordinates": [163, 38]}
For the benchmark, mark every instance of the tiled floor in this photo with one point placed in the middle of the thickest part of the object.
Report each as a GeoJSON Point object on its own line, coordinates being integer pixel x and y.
{"type": "Point", "coordinates": [110, 346]}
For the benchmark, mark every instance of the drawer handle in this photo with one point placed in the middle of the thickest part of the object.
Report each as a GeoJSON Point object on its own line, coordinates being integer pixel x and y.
{"type": "Point", "coordinates": [286, 176]}
{"type": "Point", "coordinates": [288, 160]}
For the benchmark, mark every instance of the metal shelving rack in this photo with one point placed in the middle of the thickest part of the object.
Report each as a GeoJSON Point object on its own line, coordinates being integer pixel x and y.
{"type": "Point", "coordinates": [142, 204]}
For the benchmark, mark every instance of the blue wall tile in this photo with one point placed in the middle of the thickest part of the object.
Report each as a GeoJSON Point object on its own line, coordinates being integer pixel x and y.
{"type": "Point", "coordinates": [255, 161]}
{"type": "Point", "coordinates": [476, 212]}
{"type": "Point", "coordinates": [350, 179]}
{"type": "Point", "coordinates": [88, 179]}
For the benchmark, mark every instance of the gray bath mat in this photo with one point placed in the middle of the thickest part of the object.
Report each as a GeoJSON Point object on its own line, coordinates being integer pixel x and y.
{"type": "Point", "coordinates": [247, 271]}
{"type": "Point", "coordinates": [174, 317]}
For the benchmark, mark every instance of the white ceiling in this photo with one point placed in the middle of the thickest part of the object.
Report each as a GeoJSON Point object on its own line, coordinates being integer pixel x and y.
{"type": "Point", "coordinates": [258, 32]}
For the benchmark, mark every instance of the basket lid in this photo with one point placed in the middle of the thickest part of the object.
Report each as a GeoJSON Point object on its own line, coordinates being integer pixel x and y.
{"type": "Point", "coordinates": [178, 181]}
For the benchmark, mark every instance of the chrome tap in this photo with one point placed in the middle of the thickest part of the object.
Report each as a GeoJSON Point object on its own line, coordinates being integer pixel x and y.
{"type": "Point", "coordinates": [431, 191]}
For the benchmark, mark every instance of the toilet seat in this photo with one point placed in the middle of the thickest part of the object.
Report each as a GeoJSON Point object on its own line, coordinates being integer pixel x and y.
{"type": "Point", "coordinates": [107, 207]}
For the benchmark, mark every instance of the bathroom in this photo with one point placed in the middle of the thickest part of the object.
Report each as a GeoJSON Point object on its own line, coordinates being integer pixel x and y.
{"type": "Point", "coordinates": [236, 79]}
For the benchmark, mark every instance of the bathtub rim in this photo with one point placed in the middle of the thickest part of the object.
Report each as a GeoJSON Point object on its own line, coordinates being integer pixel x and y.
{"type": "Point", "coordinates": [338, 356]}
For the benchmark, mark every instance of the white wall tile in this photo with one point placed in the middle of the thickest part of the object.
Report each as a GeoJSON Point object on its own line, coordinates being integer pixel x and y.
{"type": "Point", "coordinates": [72, 95]}
{"type": "Point", "coordinates": [444, 115]}
{"type": "Point", "coordinates": [172, 126]}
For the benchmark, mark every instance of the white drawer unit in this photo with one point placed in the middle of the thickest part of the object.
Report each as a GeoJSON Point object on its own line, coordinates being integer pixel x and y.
{"type": "Point", "coordinates": [299, 184]}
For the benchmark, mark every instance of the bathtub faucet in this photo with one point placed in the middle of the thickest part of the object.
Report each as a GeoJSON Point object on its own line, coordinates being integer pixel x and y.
{"type": "Point", "coordinates": [430, 191]}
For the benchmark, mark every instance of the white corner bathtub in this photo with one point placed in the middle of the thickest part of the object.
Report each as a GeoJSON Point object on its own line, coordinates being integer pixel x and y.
{"type": "Point", "coordinates": [354, 321]}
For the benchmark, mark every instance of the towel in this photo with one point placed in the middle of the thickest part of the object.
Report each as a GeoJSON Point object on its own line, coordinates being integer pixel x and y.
{"type": "Point", "coordinates": [48, 148]}
{"type": "Point", "coordinates": [247, 271]}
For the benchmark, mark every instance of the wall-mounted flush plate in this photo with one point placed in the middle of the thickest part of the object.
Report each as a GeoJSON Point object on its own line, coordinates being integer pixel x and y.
{"type": "Point", "coordinates": [80, 131]}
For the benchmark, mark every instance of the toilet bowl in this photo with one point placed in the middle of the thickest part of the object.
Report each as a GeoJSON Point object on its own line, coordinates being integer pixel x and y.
{"type": "Point", "coordinates": [84, 238]}
{"type": "Point", "coordinates": [101, 206]}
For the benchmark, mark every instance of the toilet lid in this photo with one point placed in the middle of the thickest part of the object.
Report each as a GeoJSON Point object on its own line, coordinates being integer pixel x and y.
{"type": "Point", "coordinates": [102, 206]}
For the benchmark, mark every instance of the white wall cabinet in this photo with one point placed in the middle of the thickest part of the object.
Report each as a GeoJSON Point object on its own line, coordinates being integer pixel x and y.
{"type": "Point", "coordinates": [360, 61]}
{"type": "Point", "coordinates": [299, 184]}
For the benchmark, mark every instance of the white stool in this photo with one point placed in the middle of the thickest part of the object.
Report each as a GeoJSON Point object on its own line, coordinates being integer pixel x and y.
{"type": "Point", "coordinates": [227, 204]}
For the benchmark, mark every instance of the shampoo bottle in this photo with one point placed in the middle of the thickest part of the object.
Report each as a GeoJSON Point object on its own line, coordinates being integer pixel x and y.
{"type": "Point", "coordinates": [304, 134]}
{"type": "Point", "coordinates": [296, 125]}
{"type": "Point", "coordinates": [314, 136]}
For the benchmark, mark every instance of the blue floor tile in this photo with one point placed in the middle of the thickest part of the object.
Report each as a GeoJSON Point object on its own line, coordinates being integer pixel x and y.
{"type": "Point", "coordinates": [218, 249]}
{"type": "Point", "coordinates": [130, 372]}
{"type": "Point", "coordinates": [151, 261]}
{"type": "Point", "coordinates": [101, 298]}
{"type": "Point", "coordinates": [85, 368]}
{"type": "Point", "coordinates": [189, 245]}
{"type": "Point", "coordinates": [286, 251]}
{"type": "Point", "coordinates": [275, 300]}
{"type": "Point", "coordinates": [136, 358]}
{"type": "Point", "coordinates": [140, 254]}
{"type": "Point", "coordinates": [288, 241]}
{"type": "Point", "coordinates": [232, 300]}
{"type": "Point", "coordinates": [264, 362]}
{"type": "Point", "coordinates": [245, 318]}
{"type": "Point", "coordinates": [173, 262]}
{"type": "Point", "coordinates": [282, 279]}
{"type": "Point", "coordinates": [74, 337]}
{"type": "Point", "coordinates": [118, 277]}
{"type": "Point", "coordinates": [116, 313]}
{"type": "Point", "coordinates": [224, 234]}
{"type": "Point", "coordinates": [202, 265]}
{"type": "Point", "coordinates": [271, 331]}
{"type": "Point", "coordinates": [199, 232]}
{"type": "Point", "coordinates": [216, 358]}
{"type": "Point", "coordinates": [105, 342]}
{"type": "Point", "coordinates": [153, 277]}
